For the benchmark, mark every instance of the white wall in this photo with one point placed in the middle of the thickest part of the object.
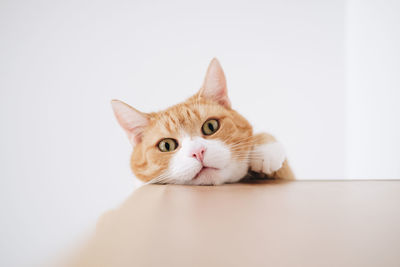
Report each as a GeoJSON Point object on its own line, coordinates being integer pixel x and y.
{"type": "Point", "coordinates": [64, 159]}
{"type": "Point", "coordinates": [373, 93]}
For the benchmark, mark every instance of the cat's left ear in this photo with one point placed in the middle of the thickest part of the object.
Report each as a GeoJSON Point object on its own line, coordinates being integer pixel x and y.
{"type": "Point", "coordinates": [214, 86]}
{"type": "Point", "coordinates": [131, 120]}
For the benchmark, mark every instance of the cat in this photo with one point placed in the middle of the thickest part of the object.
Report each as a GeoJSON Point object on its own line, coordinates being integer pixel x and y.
{"type": "Point", "coordinates": [201, 141]}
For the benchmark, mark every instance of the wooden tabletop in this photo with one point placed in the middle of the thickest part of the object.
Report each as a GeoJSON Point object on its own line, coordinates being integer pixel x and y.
{"type": "Point", "coordinates": [301, 223]}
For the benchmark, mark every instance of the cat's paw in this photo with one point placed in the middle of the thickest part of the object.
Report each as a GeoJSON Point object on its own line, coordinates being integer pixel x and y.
{"type": "Point", "coordinates": [267, 158]}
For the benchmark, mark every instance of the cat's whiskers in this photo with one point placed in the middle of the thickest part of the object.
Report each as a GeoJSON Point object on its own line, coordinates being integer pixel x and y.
{"type": "Point", "coordinates": [242, 141]}
{"type": "Point", "coordinates": [239, 155]}
{"type": "Point", "coordinates": [163, 177]}
{"type": "Point", "coordinates": [251, 157]}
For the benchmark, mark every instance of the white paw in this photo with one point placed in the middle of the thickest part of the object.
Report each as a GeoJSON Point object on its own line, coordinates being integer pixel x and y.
{"type": "Point", "coordinates": [267, 158]}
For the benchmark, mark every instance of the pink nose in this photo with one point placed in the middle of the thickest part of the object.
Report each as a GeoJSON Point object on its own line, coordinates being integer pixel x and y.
{"type": "Point", "coordinates": [199, 154]}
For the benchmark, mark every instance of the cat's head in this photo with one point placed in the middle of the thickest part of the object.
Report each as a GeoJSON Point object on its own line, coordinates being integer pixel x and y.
{"type": "Point", "coordinates": [200, 141]}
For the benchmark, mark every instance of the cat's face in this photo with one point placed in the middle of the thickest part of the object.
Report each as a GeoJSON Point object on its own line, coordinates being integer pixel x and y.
{"type": "Point", "coordinates": [199, 141]}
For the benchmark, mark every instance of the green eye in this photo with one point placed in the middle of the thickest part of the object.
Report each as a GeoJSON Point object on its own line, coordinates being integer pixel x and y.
{"type": "Point", "coordinates": [210, 126]}
{"type": "Point", "coordinates": [167, 145]}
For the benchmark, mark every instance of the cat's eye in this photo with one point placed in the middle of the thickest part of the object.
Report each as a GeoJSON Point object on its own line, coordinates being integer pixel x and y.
{"type": "Point", "coordinates": [167, 145]}
{"type": "Point", "coordinates": [210, 126]}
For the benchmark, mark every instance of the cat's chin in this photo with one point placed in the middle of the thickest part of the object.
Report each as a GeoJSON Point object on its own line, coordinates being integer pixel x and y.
{"type": "Point", "coordinates": [205, 171]}
{"type": "Point", "coordinates": [214, 176]}
{"type": "Point", "coordinates": [206, 176]}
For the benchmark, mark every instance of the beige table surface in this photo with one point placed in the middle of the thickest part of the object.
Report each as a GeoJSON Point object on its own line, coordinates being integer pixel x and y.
{"type": "Point", "coordinates": [301, 223]}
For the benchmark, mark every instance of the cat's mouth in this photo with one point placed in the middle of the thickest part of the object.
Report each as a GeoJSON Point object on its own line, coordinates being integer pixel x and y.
{"type": "Point", "coordinates": [204, 170]}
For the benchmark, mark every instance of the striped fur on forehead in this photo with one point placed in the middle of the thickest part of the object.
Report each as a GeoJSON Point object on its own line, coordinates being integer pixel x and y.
{"type": "Point", "coordinates": [177, 116]}
{"type": "Point", "coordinates": [183, 116]}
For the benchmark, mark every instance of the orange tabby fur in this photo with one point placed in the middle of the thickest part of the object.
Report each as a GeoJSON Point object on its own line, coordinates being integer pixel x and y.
{"type": "Point", "coordinates": [147, 162]}
{"type": "Point", "coordinates": [187, 118]}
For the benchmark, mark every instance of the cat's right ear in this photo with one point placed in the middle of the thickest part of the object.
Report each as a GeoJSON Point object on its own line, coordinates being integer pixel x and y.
{"type": "Point", "coordinates": [131, 120]}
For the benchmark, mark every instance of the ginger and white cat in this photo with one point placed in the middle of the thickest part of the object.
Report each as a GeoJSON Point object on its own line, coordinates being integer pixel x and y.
{"type": "Point", "coordinates": [201, 141]}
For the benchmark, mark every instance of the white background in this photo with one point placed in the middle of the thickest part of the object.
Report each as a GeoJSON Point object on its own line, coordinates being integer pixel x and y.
{"type": "Point", "coordinates": [373, 89]}
{"type": "Point", "coordinates": [323, 76]}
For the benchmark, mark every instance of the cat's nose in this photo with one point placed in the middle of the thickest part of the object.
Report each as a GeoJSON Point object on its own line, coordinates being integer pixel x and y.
{"type": "Point", "coordinates": [199, 153]}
